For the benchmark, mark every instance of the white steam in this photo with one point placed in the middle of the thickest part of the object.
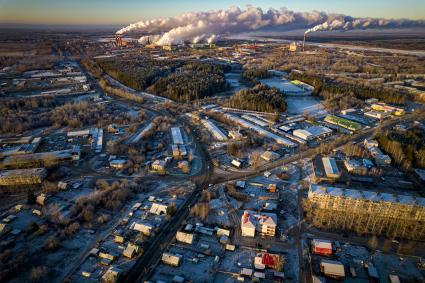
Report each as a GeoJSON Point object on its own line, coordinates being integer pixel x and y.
{"type": "Point", "coordinates": [209, 26]}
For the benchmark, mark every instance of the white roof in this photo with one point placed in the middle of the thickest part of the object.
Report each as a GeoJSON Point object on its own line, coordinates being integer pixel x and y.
{"type": "Point", "coordinates": [324, 244]}
{"type": "Point", "coordinates": [368, 195]}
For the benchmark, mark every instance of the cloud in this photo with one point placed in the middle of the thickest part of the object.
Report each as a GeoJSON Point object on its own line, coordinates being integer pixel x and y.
{"type": "Point", "coordinates": [210, 26]}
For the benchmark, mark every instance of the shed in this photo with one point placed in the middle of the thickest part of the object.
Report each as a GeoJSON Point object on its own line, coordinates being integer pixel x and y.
{"type": "Point", "coordinates": [111, 275]}
{"type": "Point", "coordinates": [246, 272]}
{"type": "Point", "coordinates": [131, 250]}
{"type": "Point", "coordinates": [171, 259]}
{"type": "Point", "coordinates": [158, 208]}
{"type": "Point", "coordinates": [184, 237]}
{"type": "Point", "coordinates": [332, 268]}
{"type": "Point", "coordinates": [145, 228]}
{"type": "Point", "coordinates": [41, 199]}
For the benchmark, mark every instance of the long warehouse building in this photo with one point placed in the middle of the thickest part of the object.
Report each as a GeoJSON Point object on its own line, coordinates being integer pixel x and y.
{"type": "Point", "coordinates": [22, 176]}
{"type": "Point", "coordinates": [259, 130]}
{"type": "Point", "coordinates": [176, 134]}
{"type": "Point", "coordinates": [255, 120]}
{"type": "Point", "coordinates": [366, 212]}
{"type": "Point", "coordinates": [215, 131]}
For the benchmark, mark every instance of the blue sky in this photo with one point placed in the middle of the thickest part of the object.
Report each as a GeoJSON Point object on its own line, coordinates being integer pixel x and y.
{"type": "Point", "coordinates": [123, 12]}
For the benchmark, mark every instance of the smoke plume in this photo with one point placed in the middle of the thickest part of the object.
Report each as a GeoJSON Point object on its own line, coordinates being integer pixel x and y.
{"type": "Point", "coordinates": [209, 26]}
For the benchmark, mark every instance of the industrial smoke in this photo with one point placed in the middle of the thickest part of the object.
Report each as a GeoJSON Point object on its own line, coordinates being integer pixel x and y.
{"type": "Point", "coordinates": [209, 26]}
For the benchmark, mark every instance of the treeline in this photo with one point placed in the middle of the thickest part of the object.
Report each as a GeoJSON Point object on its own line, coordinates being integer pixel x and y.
{"type": "Point", "coordinates": [103, 83]}
{"type": "Point", "coordinates": [92, 67]}
{"type": "Point", "coordinates": [258, 98]}
{"type": "Point", "coordinates": [139, 73]}
{"type": "Point", "coordinates": [253, 75]}
{"type": "Point", "coordinates": [192, 81]}
{"type": "Point", "coordinates": [20, 114]}
{"type": "Point", "coordinates": [322, 84]}
{"type": "Point", "coordinates": [407, 149]}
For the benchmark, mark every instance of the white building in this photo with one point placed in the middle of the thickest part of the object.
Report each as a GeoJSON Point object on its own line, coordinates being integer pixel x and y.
{"type": "Point", "coordinates": [214, 130]}
{"type": "Point", "coordinates": [252, 222]}
{"type": "Point", "coordinates": [312, 133]}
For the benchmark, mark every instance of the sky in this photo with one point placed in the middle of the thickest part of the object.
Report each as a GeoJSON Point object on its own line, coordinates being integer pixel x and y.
{"type": "Point", "coordinates": [115, 12]}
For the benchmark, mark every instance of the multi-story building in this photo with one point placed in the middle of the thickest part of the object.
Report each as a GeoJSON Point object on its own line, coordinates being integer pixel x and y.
{"type": "Point", "coordinates": [366, 212]}
{"type": "Point", "coordinates": [264, 223]}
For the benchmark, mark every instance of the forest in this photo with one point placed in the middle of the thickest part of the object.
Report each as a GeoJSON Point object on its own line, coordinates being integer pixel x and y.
{"type": "Point", "coordinates": [407, 149]}
{"type": "Point", "coordinates": [252, 75]}
{"type": "Point", "coordinates": [192, 81]}
{"type": "Point", "coordinates": [138, 73]}
{"type": "Point", "coordinates": [259, 98]}
{"type": "Point", "coordinates": [323, 84]}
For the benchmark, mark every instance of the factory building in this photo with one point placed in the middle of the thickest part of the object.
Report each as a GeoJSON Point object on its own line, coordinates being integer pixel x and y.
{"type": "Point", "coordinates": [214, 130]}
{"type": "Point", "coordinates": [22, 176]}
{"type": "Point", "coordinates": [36, 159]}
{"type": "Point", "coordinates": [264, 223]}
{"type": "Point", "coordinates": [366, 212]}
{"type": "Point", "coordinates": [325, 169]}
{"type": "Point", "coordinates": [377, 114]}
{"type": "Point", "coordinates": [28, 146]}
{"type": "Point", "coordinates": [255, 120]}
{"type": "Point", "coordinates": [260, 131]}
{"type": "Point", "coordinates": [342, 122]}
{"type": "Point", "coordinates": [312, 133]}
{"type": "Point", "coordinates": [387, 108]}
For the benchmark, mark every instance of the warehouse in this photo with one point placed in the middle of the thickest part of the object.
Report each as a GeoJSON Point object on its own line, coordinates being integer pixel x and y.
{"type": "Point", "coordinates": [331, 169]}
{"type": "Point", "coordinates": [342, 122]}
{"type": "Point", "coordinates": [312, 133]}
{"type": "Point", "coordinates": [22, 176]}
{"type": "Point", "coordinates": [368, 212]}
{"type": "Point", "coordinates": [377, 114]}
{"type": "Point", "coordinates": [332, 268]}
{"type": "Point", "coordinates": [255, 120]}
{"type": "Point", "coordinates": [387, 108]}
{"type": "Point", "coordinates": [36, 159]}
{"type": "Point", "coordinates": [260, 131]}
{"type": "Point", "coordinates": [270, 155]}
{"type": "Point", "coordinates": [183, 237]}
{"type": "Point", "coordinates": [215, 131]}
{"type": "Point", "coordinates": [176, 135]}
{"type": "Point", "coordinates": [325, 169]}
{"type": "Point", "coordinates": [171, 259]}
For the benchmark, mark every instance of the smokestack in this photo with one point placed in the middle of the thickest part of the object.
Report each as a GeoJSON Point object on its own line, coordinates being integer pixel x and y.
{"type": "Point", "coordinates": [304, 41]}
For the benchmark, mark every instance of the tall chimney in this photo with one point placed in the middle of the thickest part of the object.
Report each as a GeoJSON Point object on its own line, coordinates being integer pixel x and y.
{"type": "Point", "coordinates": [304, 42]}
